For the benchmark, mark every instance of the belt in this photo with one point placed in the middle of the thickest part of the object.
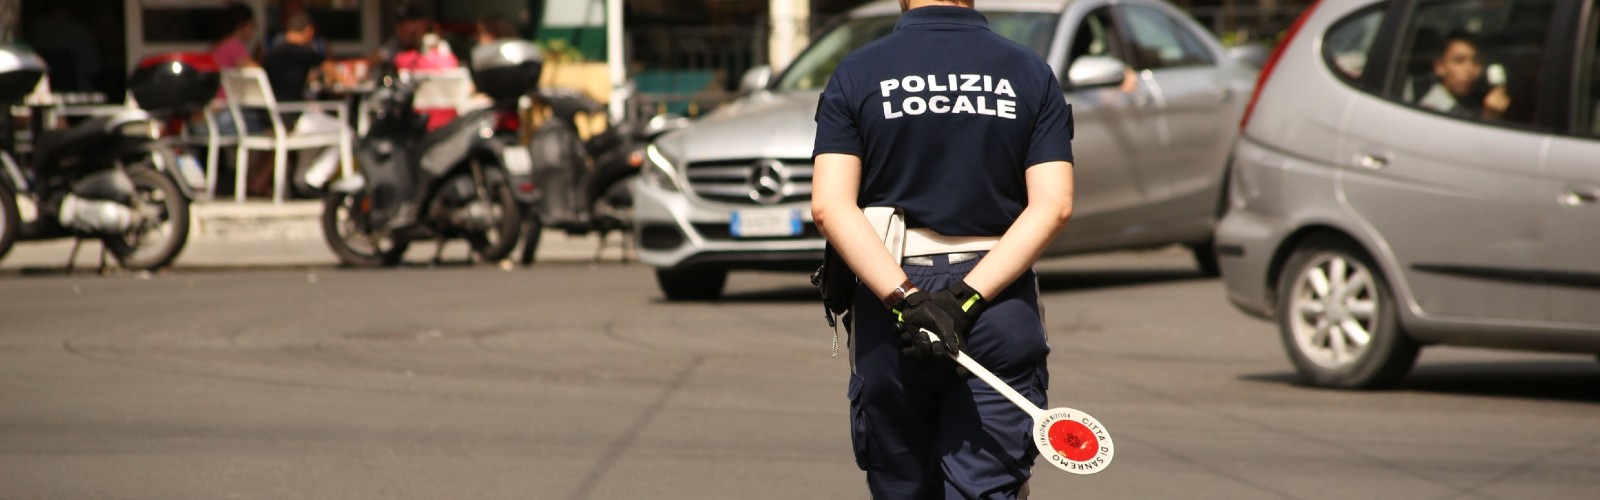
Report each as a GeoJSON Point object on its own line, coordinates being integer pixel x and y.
{"type": "Point", "coordinates": [927, 260]}
{"type": "Point", "coordinates": [889, 224]}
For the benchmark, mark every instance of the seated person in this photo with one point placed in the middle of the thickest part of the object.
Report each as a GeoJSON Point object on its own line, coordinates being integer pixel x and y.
{"type": "Point", "coordinates": [291, 65]}
{"type": "Point", "coordinates": [1458, 69]}
{"type": "Point", "coordinates": [290, 68]}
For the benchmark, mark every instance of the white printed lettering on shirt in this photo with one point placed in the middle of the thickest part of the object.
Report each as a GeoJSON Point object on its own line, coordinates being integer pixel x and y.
{"type": "Point", "coordinates": [888, 111]}
{"type": "Point", "coordinates": [913, 84]}
{"type": "Point", "coordinates": [969, 83]}
{"type": "Point", "coordinates": [888, 85]}
{"type": "Point", "coordinates": [915, 106]}
{"type": "Point", "coordinates": [947, 102]}
{"type": "Point", "coordinates": [1004, 87]}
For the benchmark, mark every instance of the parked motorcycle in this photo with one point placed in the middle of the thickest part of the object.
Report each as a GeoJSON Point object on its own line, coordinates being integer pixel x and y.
{"type": "Point", "coordinates": [581, 185]}
{"type": "Point", "coordinates": [467, 179]}
{"type": "Point", "coordinates": [108, 177]}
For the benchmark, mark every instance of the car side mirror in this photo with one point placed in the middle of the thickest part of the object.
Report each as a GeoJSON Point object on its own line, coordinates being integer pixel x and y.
{"type": "Point", "coordinates": [755, 79]}
{"type": "Point", "coordinates": [1252, 55]}
{"type": "Point", "coordinates": [1096, 71]}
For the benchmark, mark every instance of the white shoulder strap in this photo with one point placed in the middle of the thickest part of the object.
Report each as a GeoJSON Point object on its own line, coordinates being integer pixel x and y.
{"type": "Point", "coordinates": [889, 223]}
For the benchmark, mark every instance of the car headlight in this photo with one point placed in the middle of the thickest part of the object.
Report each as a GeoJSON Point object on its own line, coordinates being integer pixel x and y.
{"type": "Point", "coordinates": [658, 171]}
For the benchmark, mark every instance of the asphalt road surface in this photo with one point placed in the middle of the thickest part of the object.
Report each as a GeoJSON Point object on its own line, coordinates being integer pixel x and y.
{"type": "Point", "coordinates": [570, 382]}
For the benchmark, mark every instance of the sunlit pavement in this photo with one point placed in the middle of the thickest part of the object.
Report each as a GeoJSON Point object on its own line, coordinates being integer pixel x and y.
{"type": "Point", "coordinates": [571, 381]}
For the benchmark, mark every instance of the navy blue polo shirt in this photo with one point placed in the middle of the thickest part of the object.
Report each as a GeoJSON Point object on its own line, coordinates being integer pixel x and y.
{"type": "Point", "coordinates": [946, 116]}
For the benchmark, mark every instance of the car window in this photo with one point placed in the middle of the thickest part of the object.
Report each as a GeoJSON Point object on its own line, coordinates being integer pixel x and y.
{"type": "Point", "coordinates": [1588, 111]}
{"type": "Point", "coordinates": [1348, 43]}
{"type": "Point", "coordinates": [1475, 59]}
{"type": "Point", "coordinates": [1096, 36]}
{"type": "Point", "coordinates": [811, 70]}
{"type": "Point", "coordinates": [1159, 41]}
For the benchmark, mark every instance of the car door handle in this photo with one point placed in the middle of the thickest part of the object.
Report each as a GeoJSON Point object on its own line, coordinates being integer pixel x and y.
{"type": "Point", "coordinates": [1222, 94]}
{"type": "Point", "coordinates": [1373, 160]}
{"type": "Point", "coordinates": [1576, 198]}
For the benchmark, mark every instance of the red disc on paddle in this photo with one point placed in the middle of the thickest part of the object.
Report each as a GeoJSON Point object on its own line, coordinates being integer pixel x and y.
{"type": "Point", "coordinates": [1073, 440]}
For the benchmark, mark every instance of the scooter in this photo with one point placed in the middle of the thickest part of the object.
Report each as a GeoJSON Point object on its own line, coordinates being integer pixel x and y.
{"type": "Point", "coordinates": [581, 185]}
{"type": "Point", "coordinates": [109, 177]}
{"type": "Point", "coordinates": [468, 179]}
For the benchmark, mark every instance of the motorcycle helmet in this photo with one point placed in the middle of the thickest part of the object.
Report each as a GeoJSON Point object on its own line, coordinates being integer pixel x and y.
{"type": "Point", "coordinates": [174, 82]}
{"type": "Point", "coordinates": [506, 69]}
{"type": "Point", "coordinates": [20, 70]}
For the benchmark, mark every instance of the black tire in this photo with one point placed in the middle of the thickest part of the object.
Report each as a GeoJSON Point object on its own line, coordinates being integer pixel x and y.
{"type": "Point", "coordinates": [1315, 329]}
{"type": "Point", "coordinates": [691, 284]}
{"type": "Point", "coordinates": [498, 242]}
{"type": "Point", "coordinates": [339, 228]}
{"type": "Point", "coordinates": [1205, 258]}
{"type": "Point", "coordinates": [9, 219]}
{"type": "Point", "coordinates": [153, 245]}
{"type": "Point", "coordinates": [532, 231]}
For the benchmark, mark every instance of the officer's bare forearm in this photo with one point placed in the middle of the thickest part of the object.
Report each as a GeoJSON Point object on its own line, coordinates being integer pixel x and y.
{"type": "Point", "coordinates": [834, 183]}
{"type": "Point", "coordinates": [1049, 208]}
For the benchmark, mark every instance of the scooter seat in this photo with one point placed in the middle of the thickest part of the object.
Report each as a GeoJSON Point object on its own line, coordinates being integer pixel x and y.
{"type": "Point", "coordinates": [54, 143]}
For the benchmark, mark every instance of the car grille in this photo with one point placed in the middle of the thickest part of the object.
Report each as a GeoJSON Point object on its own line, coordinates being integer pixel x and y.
{"type": "Point", "coordinates": [740, 181]}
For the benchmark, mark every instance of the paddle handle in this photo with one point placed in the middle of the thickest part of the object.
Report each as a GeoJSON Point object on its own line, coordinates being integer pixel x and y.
{"type": "Point", "coordinates": [999, 385]}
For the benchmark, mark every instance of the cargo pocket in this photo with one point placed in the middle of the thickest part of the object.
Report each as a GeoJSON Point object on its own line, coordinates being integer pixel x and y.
{"type": "Point", "coordinates": [858, 423]}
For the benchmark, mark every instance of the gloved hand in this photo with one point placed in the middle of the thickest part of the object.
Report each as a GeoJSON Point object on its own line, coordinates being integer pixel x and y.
{"type": "Point", "coordinates": [947, 313]}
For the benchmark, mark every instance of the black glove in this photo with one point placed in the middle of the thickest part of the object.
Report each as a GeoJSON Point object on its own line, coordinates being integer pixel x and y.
{"type": "Point", "coordinates": [948, 313]}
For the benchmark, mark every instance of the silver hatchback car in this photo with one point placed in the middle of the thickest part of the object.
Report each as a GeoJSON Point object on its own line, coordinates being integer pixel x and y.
{"type": "Point", "coordinates": [1153, 97]}
{"type": "Point", "coordinates": [1418, 172]}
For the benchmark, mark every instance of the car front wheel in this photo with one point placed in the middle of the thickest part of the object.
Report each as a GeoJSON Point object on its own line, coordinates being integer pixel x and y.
{"type": "Point", "coordinates": [1338, 320]}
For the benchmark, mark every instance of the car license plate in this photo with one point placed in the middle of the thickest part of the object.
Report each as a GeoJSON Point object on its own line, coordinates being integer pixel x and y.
{"type": "Point", "coordinates": [765, 223]}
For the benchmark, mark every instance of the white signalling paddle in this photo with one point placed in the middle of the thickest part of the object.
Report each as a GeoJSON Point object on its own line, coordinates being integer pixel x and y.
{"type": "Point", "coordinates": [1069, 439]}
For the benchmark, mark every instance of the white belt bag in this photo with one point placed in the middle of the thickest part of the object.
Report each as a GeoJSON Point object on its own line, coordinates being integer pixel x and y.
{"type": "Point", "coordinates": [890, 225]}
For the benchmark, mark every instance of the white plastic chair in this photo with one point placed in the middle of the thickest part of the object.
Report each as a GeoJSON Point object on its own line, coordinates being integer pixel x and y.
{"type": "Point", "coordinates": [247, 88]}
{"type": "Point", "coordinates": [213, 141]}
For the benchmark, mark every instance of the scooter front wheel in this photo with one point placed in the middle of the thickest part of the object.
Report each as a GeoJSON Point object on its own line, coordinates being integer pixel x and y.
{"type": "Point", "coordinates": [351, 240]}
{"type": "Point", "coordinates": [157, 241]}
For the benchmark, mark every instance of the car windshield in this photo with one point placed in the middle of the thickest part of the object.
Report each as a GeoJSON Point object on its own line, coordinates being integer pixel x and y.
{"type": "Point", "coordinates": [811, 70]}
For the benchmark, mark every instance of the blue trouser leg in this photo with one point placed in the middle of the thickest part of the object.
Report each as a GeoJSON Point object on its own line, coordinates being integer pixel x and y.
{"type": "Point", "coordinates": [920, 429]}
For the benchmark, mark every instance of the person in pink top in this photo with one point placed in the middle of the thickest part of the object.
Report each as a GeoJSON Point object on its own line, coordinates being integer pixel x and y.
{"type": "Point", "coordinates": [233, 50]}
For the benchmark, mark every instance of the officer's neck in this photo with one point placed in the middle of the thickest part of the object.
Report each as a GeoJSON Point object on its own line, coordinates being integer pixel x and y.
{"type": "Point", "coordinates": [906, 5]}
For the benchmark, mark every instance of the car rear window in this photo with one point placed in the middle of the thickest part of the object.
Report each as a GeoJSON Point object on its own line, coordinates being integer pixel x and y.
{"type": "Point", "coordinates": [1348, 44]}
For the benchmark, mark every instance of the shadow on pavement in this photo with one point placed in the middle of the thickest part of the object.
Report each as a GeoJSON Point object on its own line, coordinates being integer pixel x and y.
{"type": "Point", "coordinates": [1543, 380]}
{"type": "Point", "coordinates": [1553, 380]}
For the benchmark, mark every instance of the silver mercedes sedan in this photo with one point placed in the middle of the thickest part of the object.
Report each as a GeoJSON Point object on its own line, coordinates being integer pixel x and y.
{"type": "Point", "coordinates": [1156, 102]}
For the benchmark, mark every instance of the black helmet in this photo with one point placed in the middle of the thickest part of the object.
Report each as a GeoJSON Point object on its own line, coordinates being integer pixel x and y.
{"type": "Point", "coordinates": [506, 69]}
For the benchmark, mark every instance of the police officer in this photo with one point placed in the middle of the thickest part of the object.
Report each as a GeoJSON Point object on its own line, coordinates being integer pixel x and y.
{"type": "Point", "coordinates": [969, 135]}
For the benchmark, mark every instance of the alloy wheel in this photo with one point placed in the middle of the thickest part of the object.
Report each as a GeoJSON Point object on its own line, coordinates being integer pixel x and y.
{"type": "Point", "coordinates": [1334, 310]}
